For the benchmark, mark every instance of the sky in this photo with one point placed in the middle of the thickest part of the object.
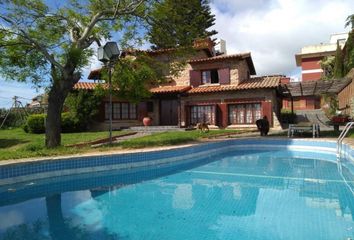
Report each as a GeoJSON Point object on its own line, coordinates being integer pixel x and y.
{"type": "Point", "coordinates": [272, 30]}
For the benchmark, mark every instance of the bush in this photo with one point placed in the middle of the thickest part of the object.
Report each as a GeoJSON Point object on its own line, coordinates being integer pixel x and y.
{"type": "Point", "coordinates": [287, 116]}
{"type": "Point", "coordinates": [15, 118]}
{"type": "Point", "coordinates": [35, 123]}
{"type": "Point", "coordinates": [69, 124]}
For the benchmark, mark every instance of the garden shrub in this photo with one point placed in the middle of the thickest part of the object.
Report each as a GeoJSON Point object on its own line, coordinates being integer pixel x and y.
{"type": "Point", "coordinates": [35, 123]}
{"type": "Point", "coordinates": [69, 124]}
{"type": "Point", "coordinates": [15, 118]}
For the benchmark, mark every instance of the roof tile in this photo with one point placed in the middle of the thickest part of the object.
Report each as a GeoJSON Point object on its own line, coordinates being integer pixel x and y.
{"type": "Point", "coordinates": [252, 83]}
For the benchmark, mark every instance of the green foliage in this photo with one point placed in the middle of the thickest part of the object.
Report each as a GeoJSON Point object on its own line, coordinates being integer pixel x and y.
{"type": "Point", "coordinates": [350, 21]}
{"type": "Point", "coordinates": [134, 76]}
{"type": "Point", "coordinates": [332, 103]}
{"type": "Point", "coordinates": [69, 123]}
{"type": "Point", "coordinates": [82, 106]}
{"type": "Point", "coordinates": [349, 53]}
{"type": "Point", "coordinates": [179, 23]}
{"type": "Point", "coordinates": [287, 116]}
{"type": "Point", "coordinates": [36, 123]}
{"type": "Point", "coordinates": [327, 64]}
{"type": "Point", "coordinates": [15, 118]}
{"type": "Point", "coordinates": [338, 71]}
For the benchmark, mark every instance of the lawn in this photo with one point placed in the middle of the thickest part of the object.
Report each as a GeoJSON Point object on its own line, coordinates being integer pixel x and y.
{"type": "Point", "coordinates": [172, 138]}
{"type": "Point", "coordinates": [15, 143]}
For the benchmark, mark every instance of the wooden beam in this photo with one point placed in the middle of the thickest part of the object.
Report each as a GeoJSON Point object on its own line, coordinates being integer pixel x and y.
{"type": "Point", "coordinates": [314, 89]}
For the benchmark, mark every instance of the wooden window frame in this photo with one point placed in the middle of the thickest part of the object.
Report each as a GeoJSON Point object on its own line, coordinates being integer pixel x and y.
{"type": "Point", "coordinates": [198, 112]}
{"type": "Point", "coordinates": [121, 113]}
{"type": "Point", "coordinates": [210, 75]}
{"type": "Point", "coordinates": [244, 110]}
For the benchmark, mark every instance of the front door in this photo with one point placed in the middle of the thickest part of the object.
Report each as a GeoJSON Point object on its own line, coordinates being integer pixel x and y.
{"type": "Point", "coordinates": [168, 112]}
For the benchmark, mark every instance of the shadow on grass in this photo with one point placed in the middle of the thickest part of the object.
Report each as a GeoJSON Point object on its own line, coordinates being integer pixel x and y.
{"type": "Point", "coordinates": [5, 143]}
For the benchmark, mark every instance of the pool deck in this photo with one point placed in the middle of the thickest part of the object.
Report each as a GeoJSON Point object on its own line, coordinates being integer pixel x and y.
{"type": "Point", "coordinates": [152, 149]}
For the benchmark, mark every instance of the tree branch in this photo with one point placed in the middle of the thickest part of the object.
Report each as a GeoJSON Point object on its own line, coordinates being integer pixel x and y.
{"type": "Point", "coordinates": [101, 16]}
{"type": "Point", "coordinates": [38, 45]}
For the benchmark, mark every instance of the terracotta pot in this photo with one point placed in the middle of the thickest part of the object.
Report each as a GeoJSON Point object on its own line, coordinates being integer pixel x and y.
{"type": "Point", "coordinates": [147, 121]}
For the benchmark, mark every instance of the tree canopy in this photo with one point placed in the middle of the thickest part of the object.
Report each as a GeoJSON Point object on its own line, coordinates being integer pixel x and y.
{"type": "Point", "coordinates": [48, 42]}
{"type": "Point", "coordinates": [338, 71]}
{"type": "Point", "coordinates": [179, 23]}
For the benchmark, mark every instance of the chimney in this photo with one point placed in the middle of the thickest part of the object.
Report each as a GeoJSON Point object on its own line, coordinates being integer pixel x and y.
{"type": "Point", "coordinates": [220, 47]}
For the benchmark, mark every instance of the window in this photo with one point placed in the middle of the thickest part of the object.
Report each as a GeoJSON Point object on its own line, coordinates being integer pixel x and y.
{"type": "Point", "coordinates": [116, 111]}
{"type": "Point", "coordinates": [121, 111]}
{"type": "Point", "coordinates": [125, 110]}
{"type": "Point", "coordinates": [210, 76]}
{"type": "Point", "coordinates": [245, 113]}
{"type": "Point", "coordinates": [203, 114]}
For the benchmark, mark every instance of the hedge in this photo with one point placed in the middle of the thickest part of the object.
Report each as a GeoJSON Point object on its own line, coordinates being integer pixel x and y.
{"type": "Point", "coordinates": [36, 124]}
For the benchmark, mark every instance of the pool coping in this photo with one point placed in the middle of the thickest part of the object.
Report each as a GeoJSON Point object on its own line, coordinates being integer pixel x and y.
{"type": "Point", "coordinates": [118, 152]}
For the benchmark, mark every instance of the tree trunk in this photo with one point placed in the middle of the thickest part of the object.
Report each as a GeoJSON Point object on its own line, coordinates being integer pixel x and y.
{"type": "Point", "coordinates": [56, 98]}
{"type": "Point", "coordinates": [55, 216]}
{"type": "Point", "coordinates": [53, 122]}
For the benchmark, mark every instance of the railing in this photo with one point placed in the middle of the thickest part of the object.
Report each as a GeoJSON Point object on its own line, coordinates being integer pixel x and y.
{"type": "Point", "coordinates": [342, 135]}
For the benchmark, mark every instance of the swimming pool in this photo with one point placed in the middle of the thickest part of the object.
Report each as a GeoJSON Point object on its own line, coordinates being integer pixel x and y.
{"type": "Point", "coordinates": [238, 189]}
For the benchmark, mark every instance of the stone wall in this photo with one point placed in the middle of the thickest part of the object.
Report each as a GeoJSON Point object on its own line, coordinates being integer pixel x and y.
{"type": "Point", "coordinates": [238, 69]}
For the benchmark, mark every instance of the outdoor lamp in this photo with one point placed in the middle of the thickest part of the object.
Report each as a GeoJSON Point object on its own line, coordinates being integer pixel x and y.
{"type": "Point", "coordinates": [107, 54]}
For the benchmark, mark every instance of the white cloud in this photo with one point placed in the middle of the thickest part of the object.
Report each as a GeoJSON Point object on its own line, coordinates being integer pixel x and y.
{"type": "Point", "coordinates": [9, 89]}
{"type": "Point", "coordinates": [274, 31]}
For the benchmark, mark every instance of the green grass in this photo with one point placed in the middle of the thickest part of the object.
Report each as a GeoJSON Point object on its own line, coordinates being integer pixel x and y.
{"type": "Point", "coordinates": [171, 138]}
{"type": "Point", "coordinates": [15, 143]}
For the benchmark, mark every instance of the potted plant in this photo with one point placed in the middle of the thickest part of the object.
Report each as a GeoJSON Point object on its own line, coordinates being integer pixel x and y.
{"type": "Point", "coordinates": [147, 121]}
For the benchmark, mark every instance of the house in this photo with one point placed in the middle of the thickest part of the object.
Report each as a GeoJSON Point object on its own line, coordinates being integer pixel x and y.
{"type": "Point", "coordinates": [39, 101]}
{"type": "Point", "coordinates": [216, 89]}
{"type": "Point", "coordinates": [309, 60]}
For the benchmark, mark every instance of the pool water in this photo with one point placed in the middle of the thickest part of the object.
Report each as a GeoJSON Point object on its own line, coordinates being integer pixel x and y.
{"type": "Point", "coordinates": [238, 195]}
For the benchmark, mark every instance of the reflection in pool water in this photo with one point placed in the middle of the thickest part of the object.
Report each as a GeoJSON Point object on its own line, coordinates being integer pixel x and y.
{"type": "Point", "coordinates": [265, 195]}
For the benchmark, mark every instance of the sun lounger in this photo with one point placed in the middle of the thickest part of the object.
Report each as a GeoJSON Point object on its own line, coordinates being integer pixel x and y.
{"type": "Point", "coordinates": [304, 127]}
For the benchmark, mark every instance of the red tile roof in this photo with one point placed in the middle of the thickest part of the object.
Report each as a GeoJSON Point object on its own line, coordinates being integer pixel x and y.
{"type": "Point", "coordinates": [221, 57]}
{"type": "Point", "coordinates": [170, 89]}
{"type": "Point", "coordinates": [246, 56]}
{"type": "Point", "coordinates": [252, 83]}
{"type": "Point", "coordinates": [156, 90]}
{"type": "Point", "coordinates": [88, 85]}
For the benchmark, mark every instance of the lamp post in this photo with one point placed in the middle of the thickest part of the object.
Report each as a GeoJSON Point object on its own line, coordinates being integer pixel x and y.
{"type": "Point", "coordinates": [108, 54]}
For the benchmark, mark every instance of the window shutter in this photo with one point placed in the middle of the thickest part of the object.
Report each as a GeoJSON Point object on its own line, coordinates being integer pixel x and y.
{"type": "Point", "coordinates": [195, 78]}
{"type": "Point", "coordinates": [224, 75]}
{"type": "Point", "coordinates": [267, 111]}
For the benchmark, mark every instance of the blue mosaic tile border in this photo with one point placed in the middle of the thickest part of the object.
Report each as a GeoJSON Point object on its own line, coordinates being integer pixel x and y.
{"type": "Point", "coordinates": [130, 159]}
